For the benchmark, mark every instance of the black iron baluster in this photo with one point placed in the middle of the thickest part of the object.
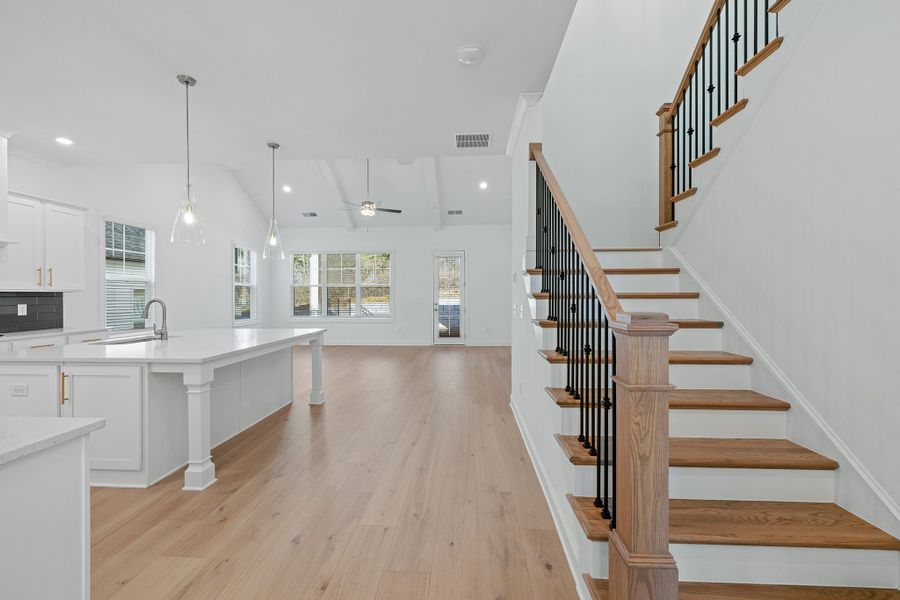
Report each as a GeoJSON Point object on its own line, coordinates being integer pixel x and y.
{"type": "Point", "coordinates": [755, 27]}
{"type": "Point", "coordinates": [711, 90]}
{"type": "Point", "coordinates": [696, 114]}
{"type": "Point", "coordinates": [727, 74]}
{"type": "Point", "coordinates": [746, 33]}
{"type": "Point", "coordinates": [766, 17]}
{"type": "Point", "coordinates": [612, 523]}
{"type": "Point", "coordinates": [736, 39]}
{"type": "Point", "coordinates": [701, 124]}
{"type": "Point", "coordinates": [718, 28]}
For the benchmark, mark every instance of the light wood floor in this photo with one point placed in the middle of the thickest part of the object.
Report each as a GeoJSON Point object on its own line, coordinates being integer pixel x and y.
{"type": "Point", "coordinates": [412, 482]}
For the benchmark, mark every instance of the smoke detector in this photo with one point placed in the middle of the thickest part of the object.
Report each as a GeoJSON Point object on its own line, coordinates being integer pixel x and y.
{"type": "Point", "coordinates": [469, 55]}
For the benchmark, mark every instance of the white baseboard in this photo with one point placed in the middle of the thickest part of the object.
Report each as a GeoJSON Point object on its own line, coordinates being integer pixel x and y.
{"type": "Point", "coordinates": [567, 544]}
{"type": "Point", "coordinates": [797, 399]}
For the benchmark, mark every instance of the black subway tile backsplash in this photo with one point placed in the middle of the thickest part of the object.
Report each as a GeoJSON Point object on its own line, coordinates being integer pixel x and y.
{"type": "Point", "coordinates": [45, 311]}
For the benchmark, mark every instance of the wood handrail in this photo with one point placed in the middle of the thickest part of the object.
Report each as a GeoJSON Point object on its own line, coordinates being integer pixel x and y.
{"type": "Point", "coordinates": [596, 275]}
{"type": "Point", "coordinates": [695, 55]}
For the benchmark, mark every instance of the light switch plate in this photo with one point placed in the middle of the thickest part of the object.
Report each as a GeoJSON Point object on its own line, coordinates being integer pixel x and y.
{"type": "Point", "coordinates": [18, 389]}
{"type": "Point", "coordinates": [23, 310]}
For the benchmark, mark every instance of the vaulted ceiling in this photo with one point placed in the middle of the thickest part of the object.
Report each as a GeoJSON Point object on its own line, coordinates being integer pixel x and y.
{"type": "Point", "coordinates": [331, 81]}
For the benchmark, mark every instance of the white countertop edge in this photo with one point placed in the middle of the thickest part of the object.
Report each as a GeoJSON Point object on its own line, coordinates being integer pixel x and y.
{"type": "Point", "coordinates": [46, 432]}
{"type": "Point", "coordinates": [39, 333]}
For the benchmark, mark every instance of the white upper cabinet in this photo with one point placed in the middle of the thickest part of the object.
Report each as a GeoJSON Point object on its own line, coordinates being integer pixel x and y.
{"type": "Point", "coordinates": [48, 253]}
{"type": "Point", "coordinates": [23, 269]}
{"type": "Point", "coordinates": [63, 248]}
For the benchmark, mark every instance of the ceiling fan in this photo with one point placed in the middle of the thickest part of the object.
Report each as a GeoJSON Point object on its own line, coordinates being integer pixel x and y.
{"type": "Point", "coordinates": [367, 207]}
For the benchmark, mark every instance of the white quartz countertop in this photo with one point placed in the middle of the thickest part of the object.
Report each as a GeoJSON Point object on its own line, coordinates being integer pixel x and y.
{"type": "Point", "coordinates": [189, 346]}
{"type": "Point", "coordinates": [39, 333]}
{"type": "Point", "coordinates": [21, 436]}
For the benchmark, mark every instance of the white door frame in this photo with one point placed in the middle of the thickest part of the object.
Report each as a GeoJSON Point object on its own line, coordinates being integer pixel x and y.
{"type": "Point", "coordinates": [463, 317]}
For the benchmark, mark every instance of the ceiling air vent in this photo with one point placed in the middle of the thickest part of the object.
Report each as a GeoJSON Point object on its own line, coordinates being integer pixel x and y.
{"type": "Point", "coordinates": [454, 212]}
{"type": "Point", "coordinates": [473, 140]}
{"type": "Point", "coordinates": [310, 214]}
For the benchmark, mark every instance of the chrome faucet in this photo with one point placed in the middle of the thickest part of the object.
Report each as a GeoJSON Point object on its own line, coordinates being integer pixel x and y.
{"type": "Point", "coordinates": [164, 332]}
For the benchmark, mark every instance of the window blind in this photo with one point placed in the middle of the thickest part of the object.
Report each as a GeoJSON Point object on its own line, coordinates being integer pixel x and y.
{"type": "Point", "coordinates": [129, 274]}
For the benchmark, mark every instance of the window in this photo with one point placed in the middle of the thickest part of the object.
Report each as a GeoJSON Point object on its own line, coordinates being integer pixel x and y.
{"type": "Point", "coordinates": [344, 284]}
{"type": "Point", "coordinates": [129, 274]}
{"type": "Point", "coordinates": [245, 289]}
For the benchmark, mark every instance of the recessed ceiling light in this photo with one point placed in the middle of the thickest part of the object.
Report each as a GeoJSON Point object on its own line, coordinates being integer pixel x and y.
{"type": "Point", "coordinates": [64, 141]}
{"type": "Point", "coordinates": [483, 185]}
{"type": "Point", "coordinates": [470, 55]}
{"type": "Point", "coordinates": [287, 189]}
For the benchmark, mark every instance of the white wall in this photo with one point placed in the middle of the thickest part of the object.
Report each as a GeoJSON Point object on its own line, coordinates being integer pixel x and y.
{"type": "Point", "coordinates": [195, 282]}
{"type": "Point", "coordinates": [412, 249]}
{"type": "Point", "coordinates": [795, 229]}
{"type": "Point", "coordinates": [619, 62]}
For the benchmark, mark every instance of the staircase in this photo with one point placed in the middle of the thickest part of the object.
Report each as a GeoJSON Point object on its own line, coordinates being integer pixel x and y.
{"type": "Point", "coordinates": [746, 504]}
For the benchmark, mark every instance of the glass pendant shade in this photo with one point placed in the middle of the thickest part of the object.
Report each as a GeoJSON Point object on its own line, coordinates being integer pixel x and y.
{"type": "Point", "coordinates": [187, 228]}
{"type": "Point", "coordinates": [273, 248]}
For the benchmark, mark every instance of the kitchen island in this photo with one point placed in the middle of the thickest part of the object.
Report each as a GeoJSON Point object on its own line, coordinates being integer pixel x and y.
{"type": "Point", "coordinates": [167, 403]}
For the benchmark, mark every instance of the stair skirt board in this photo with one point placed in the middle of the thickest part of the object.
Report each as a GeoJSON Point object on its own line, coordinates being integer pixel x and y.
{"type": "Point", "coordinates": [683, 339]}
{"type": "Point", "coordinates": [725, 377]}
{"type": "Point", "coordinates": [705, 423]}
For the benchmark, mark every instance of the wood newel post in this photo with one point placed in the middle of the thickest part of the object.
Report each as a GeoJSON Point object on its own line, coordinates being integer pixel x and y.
{"type": "Point", "coordinates": [640, 565]}
{"type": "Point", "coordinates": [666, 191]}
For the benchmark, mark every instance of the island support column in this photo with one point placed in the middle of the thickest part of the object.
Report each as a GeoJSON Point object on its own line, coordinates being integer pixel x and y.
{"type": "Point", "coordinates": [316, 394]}
{"type": "Point", "coordinates": [200, 472]}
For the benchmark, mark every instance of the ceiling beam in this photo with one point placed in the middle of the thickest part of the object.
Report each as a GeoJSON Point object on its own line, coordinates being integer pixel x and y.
{"type": "Point", "coordinates": [432, 167]}
{"type": "Point", "coordinates": [337, 196]}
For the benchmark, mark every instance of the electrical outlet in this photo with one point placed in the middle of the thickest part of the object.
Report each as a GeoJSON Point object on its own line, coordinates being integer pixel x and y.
{"type": "Point", "coordinates": [18, 389]}
{"type": "Point", "coordinates": [23, 310]}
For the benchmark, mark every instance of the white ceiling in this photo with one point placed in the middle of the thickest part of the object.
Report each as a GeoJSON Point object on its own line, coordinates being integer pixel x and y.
{"type": "Point", "coordinates": [335, 80]}
{"type": "Point", "coordinates": [393, 185]}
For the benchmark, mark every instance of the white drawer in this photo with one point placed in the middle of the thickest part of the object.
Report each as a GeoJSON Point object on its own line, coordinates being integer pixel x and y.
{"type": "Point", "coordinates": [43, 342]}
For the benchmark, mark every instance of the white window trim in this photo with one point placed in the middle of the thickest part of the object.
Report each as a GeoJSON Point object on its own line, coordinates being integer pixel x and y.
{"type": "Point", "coordinates": [326, 318]}
{"type": "Point", "coordinates": [254, 305]}
{"type": "Point", "coordinates": [102, 259]}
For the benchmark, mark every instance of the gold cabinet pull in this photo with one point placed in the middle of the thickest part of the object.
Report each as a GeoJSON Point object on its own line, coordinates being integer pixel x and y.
{"type": "Point", "coordinates": [50, 277]}
{"type": "Point", "coordinates": [44, 346]}
{"type": "Point", "coordinates": [40, 276]}
{"type": "Point", "coordinates": [91, 340]}
{"type": "Point", "coordinates": [62, 388]}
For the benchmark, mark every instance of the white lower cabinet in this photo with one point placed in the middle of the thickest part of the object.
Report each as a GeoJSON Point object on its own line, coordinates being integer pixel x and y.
{"type": "Point", "coordinates": [29, 391]}
{"type": "Point", "coordinates": [114, 393]}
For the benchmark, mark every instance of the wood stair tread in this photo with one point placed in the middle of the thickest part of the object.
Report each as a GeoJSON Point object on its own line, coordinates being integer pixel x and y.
{"type": "Point", "coordinates": [721, 453]}
{"type": "Point", "coordinates": [658, 295]}
{"type": "Point", "coordinates": [683, 399]}
{"type": "Point", "coordinates": [625, 271]}
{"type": "Point", "coordinates": [682, 323]}
{"type": "Point", "coordinates": [599, 589]}
{"type": "Point", "coordinates": [753, 523]}
{"type": "Point", "coordinates": [676, 357]}
{"type": "Point", "coordinates": [666, 226]}
{"type": "Point", "coordinates": [628, 295]}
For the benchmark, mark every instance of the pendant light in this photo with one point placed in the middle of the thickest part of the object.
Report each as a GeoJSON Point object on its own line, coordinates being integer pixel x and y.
{"type": "Point", "coordinates": [273, 248]}
{"type": "Point", "coordinates": [187, 228]}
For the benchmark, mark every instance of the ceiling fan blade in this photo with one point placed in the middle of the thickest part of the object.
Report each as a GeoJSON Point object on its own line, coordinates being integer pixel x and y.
{"type": "Point", "coordinates": [389, 210]}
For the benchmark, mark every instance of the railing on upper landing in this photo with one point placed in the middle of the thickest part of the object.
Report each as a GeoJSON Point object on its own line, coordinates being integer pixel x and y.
{"type": "Point", "coordinates": [736, 37]}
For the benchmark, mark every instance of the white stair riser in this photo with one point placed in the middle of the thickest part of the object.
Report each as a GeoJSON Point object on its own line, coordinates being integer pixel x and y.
{"type": "Point", "coordinates": [683, 339]}
{"type": "Point", "coordinates": [698, 483]}
{"type": "Point", "coordinates": [629, 259]}
{"type": "Point", "coordinates": [675, 308]}
{"type": "Point", "coordinates": [626, 283]}
{"type": "Point", "coordinates": [644, 283]}
{"type": "Point", "coordinates": [726, 377]}
{"type": "Point", "coordinates": [774, 565]}
{"type": "Point", "coordinates": [790, 566]}
{"type": "Point", "coordinates": [758, 424]}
